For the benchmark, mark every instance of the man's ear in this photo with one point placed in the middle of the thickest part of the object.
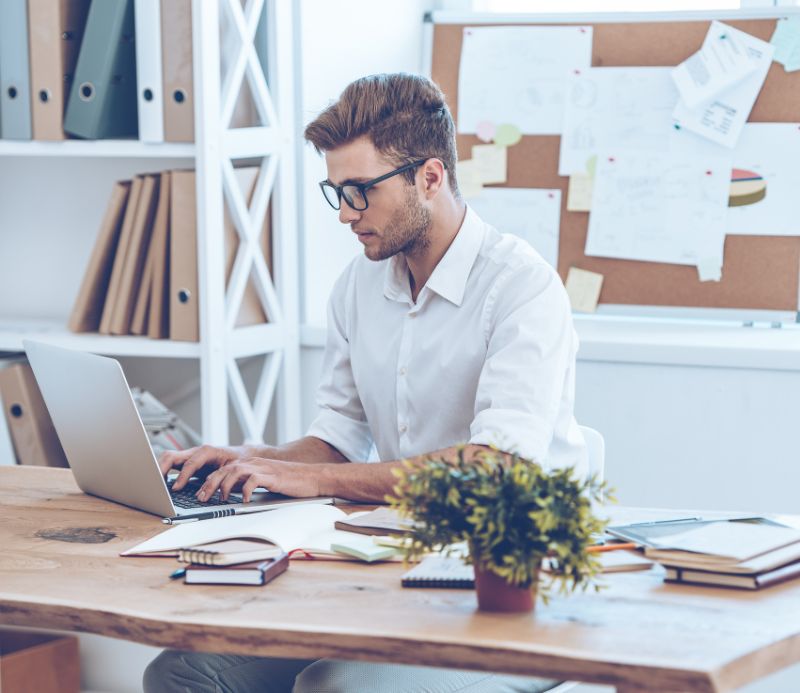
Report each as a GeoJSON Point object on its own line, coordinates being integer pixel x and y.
{"type": "Point", "coordinates": [433, 177]}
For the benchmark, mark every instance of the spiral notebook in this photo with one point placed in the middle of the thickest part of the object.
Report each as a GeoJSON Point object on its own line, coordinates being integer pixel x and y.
{"type": "Point", "coordinates": [440, 571]}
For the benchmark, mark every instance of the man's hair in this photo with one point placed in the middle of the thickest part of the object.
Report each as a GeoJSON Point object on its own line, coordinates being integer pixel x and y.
{"type": "Point", "coordinates": [405, 117]}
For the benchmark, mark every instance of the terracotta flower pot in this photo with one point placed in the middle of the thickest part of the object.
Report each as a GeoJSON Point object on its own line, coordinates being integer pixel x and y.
{"type": "Point", "coordinates": [495, 594]}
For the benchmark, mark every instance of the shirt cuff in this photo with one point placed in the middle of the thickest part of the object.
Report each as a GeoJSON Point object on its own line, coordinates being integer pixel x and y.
{"type": "Point", "coordinates": [352, 438]}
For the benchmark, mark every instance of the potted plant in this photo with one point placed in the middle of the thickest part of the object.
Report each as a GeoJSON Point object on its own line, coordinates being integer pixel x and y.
{"type": "Point", "coordinates": [512, 514]}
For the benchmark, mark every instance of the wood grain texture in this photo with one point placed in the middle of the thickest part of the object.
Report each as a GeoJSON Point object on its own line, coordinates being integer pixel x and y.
{"type": "Point", "coordinates": [759, 272]}
{"type": "Point", "coordinates": [60, 568]}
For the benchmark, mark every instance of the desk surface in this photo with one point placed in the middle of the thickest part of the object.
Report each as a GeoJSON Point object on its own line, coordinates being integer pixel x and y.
{"type": "Point", "coordinates": [59, 568]}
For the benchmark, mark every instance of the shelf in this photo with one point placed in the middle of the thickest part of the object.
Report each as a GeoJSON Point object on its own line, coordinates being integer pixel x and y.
{"type": "Point", "coordinates": [132, 149]}
{"type": "Point", "coordinates": [244, 342]}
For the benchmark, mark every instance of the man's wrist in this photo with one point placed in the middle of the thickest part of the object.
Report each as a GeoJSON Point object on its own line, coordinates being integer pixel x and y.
{"type": "Point", "coordinates": [327, 479]}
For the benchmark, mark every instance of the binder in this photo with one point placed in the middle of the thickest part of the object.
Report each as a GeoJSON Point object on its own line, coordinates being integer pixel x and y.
{"type": "Point", "coordinates": [102, 98]}
{"type": "Point", "coordinates": [158, 319]}
{"type": "Point", "coordinates": [119, 256]}
{"type": "Point", "coordinates": [176, 56]}
{"type": "Point", "coordinates": [150, 100]}
{"type": "Point", "coordinates": [183, 304]}
{"type": "Point", "coordinates": [135, 255]}
{"type": "Point", "coordinates": [32, 432]}
{"type": "Point", "coordinates": [15, 92]}
{"type": "Point", "coordinates": [55, 31]}
{"type": "Point", "coordinates": [88, 307]}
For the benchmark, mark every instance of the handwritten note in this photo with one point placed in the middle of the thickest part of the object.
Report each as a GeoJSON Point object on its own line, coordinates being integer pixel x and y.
{"type": "Point", "coordinates": [786, 41]}
{"type": "Point", "coordinates": [515, 74]}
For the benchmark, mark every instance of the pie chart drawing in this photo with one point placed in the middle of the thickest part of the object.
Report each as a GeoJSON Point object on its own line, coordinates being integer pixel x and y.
{"type": "Point", "coordinates": [747, 188]}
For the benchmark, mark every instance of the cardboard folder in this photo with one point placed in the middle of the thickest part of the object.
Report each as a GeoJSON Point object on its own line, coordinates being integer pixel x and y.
{"type": "Point", "coordinates": [183, 304]}
{"type": "Point", "coordinates": [135, 256]}
{"type": "Point", "coordinates": [55, 31]}
{"type": "Point", "coordinates": [35, 440]}
{"type": "Point", "coordinates": [88, 308]}
{"type": "Point", "coordinates": [120, 255]}
{"type": "Point", "coordinates": [15, 92]}
{"type": "Point", "coordinates": [158, 318]}
{"type": "Point", "coordinates": [102, 98]}
{"type": "Point", "coordinates": [176, 56]}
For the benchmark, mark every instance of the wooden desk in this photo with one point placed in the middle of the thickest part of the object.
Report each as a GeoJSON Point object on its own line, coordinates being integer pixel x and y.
{"type": "Point", "coordinates": [59, 569]}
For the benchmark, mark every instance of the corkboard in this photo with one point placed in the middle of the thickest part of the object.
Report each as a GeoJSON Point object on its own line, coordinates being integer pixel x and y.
{"type": "Point", "coordinates": [759, 272]}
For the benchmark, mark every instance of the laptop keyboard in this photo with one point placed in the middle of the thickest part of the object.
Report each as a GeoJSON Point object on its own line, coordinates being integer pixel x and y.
{"type": "Point", "coordinates": [185, 498]}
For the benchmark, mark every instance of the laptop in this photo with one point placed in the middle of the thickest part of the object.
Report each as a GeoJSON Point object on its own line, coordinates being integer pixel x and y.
{"type": "Point", "coordinates": [105, 441]}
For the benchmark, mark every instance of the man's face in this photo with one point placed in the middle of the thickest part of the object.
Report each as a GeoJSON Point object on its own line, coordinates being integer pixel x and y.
{"type": "Point", "coordinates": [395, 220]}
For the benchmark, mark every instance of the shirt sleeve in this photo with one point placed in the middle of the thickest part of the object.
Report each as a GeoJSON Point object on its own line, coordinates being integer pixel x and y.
{"type": "Point", "coordinates": [341, 421]}
{"type": "Point", "coordinates": [531, 345]}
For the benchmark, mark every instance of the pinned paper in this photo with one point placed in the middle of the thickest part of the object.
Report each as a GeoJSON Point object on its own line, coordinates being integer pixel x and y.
{"type": "Point", "coordinates": [722, 119]}
{"type": "Point", "coordinates": [491, 163]}
{"type": "Point", "coordinates": [583, 289]}
{"type": "Point", "coordinates": [720, 63]}
{"type": "Point", "coordinates": [786, 40]}
{"type": "Point", "coordinates": [470, 183]}
{"type": "Point", "coordinates": [709, 270]}
{"type": "Point", "coordinates": [507, 135]}
{"type": "Point", "coordinates": [579, 193]}
{"type": "Point", "coordinates": [485, 131]}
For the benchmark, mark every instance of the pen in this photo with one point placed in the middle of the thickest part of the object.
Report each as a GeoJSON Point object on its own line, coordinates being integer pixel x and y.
{"type": "Point", "coordinates": [663, 522]}
{"type": "Point", "coordinates": [214, 514]}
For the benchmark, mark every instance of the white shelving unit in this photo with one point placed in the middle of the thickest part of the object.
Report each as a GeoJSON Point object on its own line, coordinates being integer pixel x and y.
{"type": "Point", "coordinates": [213, 154]}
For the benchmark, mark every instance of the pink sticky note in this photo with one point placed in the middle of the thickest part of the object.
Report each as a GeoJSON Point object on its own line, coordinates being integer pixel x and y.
{"type": "Point", "coordinates": [485, 131]}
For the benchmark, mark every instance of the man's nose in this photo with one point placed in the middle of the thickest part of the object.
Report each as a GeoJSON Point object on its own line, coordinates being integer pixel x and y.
{"type": "Point", "coordinates": [348, 215]}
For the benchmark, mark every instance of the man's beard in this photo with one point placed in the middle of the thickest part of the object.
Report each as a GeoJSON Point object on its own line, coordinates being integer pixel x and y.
{"type": "Point", "coordinates": [408, 230]}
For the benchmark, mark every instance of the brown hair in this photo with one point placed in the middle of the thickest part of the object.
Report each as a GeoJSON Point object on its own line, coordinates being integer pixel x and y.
{"type": "Point", "coordinates": [405, 116]}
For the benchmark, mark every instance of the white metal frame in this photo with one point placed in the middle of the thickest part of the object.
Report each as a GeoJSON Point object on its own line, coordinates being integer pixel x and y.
{"type": "Point", "coordinates": [217, 148]}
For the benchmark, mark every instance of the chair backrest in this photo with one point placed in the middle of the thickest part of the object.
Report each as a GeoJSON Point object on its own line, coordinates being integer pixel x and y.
{"type": "Point", "coordinates": [597, 451]}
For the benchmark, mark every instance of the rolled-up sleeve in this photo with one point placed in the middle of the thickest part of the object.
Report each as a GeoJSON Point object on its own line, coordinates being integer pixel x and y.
{"type": "Point", "coordinates": [341, 421]}
{"type": "Point", "coordinates": [531, 344]}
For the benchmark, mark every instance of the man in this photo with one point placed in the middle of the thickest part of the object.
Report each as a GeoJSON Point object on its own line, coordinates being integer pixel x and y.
{"type": "Point", "coordinates": [445, 333]}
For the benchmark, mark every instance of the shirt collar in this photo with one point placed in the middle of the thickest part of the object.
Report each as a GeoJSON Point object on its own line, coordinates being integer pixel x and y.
{"type": "Point", "coordinates": [449, 277]}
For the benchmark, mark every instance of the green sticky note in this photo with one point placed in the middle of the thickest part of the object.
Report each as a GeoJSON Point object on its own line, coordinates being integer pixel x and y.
{"type": "Point", "coordinates": [505, 135]}
{"type": "Point", "coordinates": [786, 40]}
{"type": "Point", "coordinates": [591, 165]}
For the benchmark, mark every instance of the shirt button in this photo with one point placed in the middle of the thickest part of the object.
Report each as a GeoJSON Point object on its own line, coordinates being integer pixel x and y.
{"type": "Point", "coordinates": [402, 371]}
{"type": "Point", "coordinates": [403, 428]}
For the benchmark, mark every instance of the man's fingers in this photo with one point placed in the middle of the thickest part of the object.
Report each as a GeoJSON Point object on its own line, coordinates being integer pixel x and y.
{"type": "Point", "coordinates": [173, 458]}
{"type": "Point", "coordinates": [199, 457]}
{"type": "Point", "coordinates": [253, 482]}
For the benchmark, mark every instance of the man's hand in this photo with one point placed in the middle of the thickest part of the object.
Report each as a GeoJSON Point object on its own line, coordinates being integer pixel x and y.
{"type": "Point", "coordinates": [204, 457]}
{"type": "Point", "coordinates": [290, 478]}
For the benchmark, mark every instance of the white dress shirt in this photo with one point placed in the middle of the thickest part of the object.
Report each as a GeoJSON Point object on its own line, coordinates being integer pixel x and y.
{"type": "Point", "coordinates": [486, 355]}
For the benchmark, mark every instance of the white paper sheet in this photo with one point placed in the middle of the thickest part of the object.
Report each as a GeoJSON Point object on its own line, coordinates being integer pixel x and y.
{"type": "Point", "coordinates": [720, 63]}
{"type": "Point", "coordinates": [615, 108]}
{"type": "Point", "coordinates": [516, 75]}
{"type": "Point", "coordinates": [766, 151]}
{"type": "Point", "coordinates": [722, 119]}
{"type": "Point", "coordinates": [530, 213]}
{"type": "Point", "coordinates": [659, 207]}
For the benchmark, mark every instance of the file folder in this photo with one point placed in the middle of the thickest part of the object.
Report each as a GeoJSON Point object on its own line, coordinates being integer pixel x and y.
{"type": "Point", "coordinates": [135, 255]}
{"type": "Point", "coordinates": [183, 304]}
{"type": "Point", "coordinates": [158, 319]}
{"type": "Point", "coordinates": [15, 92]}
{"type": "Point", "coordinates": [32, 432]}
{"type": "Point", "coordinates": [55, 31]}
{"type": "Point", "coordinates": [119, 257]}
{"type": "Point", "coordinates": [176, 55]}
{"type": "Point", "coordinates": [102, 98]}
{"type": "Point", "coordinates": [148, 70]}
{"type": "Point", "coordinates": [88, 307]}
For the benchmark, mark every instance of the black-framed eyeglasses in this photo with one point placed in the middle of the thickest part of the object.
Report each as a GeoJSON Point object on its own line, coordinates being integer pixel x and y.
{"type": "Point", "coordinates": [355, 194]}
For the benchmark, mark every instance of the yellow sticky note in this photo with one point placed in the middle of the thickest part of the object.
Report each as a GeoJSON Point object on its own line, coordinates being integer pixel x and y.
{"type": "Point", "coordinates": [491, 162]}
{"type": "Point", "coordinates": [583, 289]}
{"type": "Point", "coordinates": [469, 178]}
{"type": "Point", "coordinates": [579, 193]}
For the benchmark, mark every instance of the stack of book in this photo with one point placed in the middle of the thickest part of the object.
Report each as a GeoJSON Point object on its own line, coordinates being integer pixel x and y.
{"type": "Point", "coordinates": [103, 69]}
{"type": "Point", "coordinates": [142, 275]}
{"type": "Point", "coordinates": [748, 554]}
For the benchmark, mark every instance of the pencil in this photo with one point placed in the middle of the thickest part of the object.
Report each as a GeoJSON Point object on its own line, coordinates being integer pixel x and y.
{"type": "Point", "coordinates": [599, 548]}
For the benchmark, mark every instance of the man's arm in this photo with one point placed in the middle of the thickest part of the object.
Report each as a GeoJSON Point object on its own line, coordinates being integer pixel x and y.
{"type": "Point", "coordinates": [209, 457]}
{"type": "Point", "coordinates": [358, 481]}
